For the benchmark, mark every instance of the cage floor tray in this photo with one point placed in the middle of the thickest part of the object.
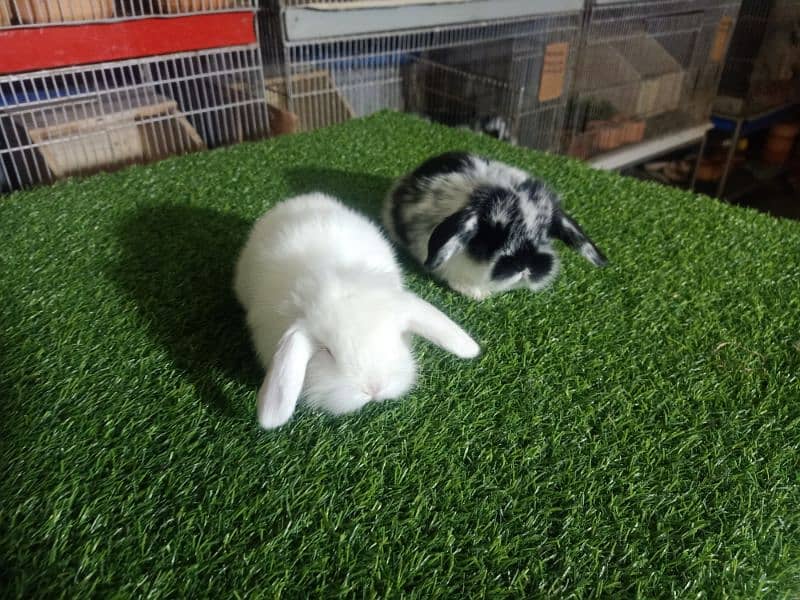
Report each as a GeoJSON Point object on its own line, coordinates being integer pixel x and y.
{"type": "Point", "coordinates": [83, 135]}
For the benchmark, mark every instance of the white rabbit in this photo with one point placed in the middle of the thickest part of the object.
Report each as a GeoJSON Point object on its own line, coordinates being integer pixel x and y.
{"type": "Point", "coordinates": [328, 312]}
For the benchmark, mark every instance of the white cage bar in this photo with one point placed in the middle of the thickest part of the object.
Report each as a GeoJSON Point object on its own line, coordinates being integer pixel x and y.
{"type": "Point", "coordinates": [486, 75]}
{"type": "Point", "coordinates": [25, 13]}
{"type": "Point", "coordinates": [75, 120]}
{"type": "Point", "coordinates": [647, 69]}
{"type": "Point", "coordinates": [79, 120]}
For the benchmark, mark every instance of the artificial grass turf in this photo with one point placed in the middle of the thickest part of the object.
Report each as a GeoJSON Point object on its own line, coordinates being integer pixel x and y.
{"type": "Point", "coordinates": [632, 431]}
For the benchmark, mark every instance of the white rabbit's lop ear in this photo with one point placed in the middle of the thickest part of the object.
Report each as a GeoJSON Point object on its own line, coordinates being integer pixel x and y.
{"type": "Point", "coordinates": [429, 322]}
{"type": "Point", "coordinates": [283, 382]}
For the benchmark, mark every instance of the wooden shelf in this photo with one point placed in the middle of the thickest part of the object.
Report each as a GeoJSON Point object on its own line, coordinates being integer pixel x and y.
{"type": "Point", "coordinates": [46, 47]}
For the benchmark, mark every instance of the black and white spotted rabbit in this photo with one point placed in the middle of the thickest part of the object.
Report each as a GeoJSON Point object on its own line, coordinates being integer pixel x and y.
{"type": "Point", "coordinates": [481, 225]}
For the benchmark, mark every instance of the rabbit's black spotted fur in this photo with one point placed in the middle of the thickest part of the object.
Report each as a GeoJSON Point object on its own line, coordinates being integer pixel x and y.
{"type": "Point", "coordinates": [481, 225]}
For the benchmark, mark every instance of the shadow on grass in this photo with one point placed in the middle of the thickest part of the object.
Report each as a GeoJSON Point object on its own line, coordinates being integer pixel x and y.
{"type": "Point", "coordinates": [362, 191]}
{"type": "Point", "coordinates": [177, 265]}
{"type": "Point", "coordinates": [15, 387]}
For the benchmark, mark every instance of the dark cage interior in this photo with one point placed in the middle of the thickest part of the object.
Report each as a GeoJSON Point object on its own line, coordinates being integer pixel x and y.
{"type": "Point", "coordinates": [646, 70]}
{"type": "Point", "coordinates": [762, 70]}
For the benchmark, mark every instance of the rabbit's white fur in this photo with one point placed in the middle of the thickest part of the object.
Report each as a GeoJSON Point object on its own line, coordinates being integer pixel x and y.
{"type": "Point", "coordinates": [327, 310]}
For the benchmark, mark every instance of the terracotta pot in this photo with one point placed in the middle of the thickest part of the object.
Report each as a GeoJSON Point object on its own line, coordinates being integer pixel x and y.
{"type": "Point", "coordinates": [633, 131]}
{"type": "Point", "coordinates": [609, 137]}
{"type": "Point", "coordinates": [779, 143]}
{"type": "Point", "coordinates": [709, 170]}
{"type": "Point", "coordinates": [282, 122]}
{"type": "Point", "coordinates": [58, 11]}
{"type": "Point", "coordinates": [605, 134]}
{"type": "Point", "coordinates": [179, 6]}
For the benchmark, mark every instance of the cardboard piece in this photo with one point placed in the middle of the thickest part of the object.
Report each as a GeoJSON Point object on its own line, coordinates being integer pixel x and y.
{"type": "Point", "coordinates": [721, 39]}
{"type": "Point", "coordinates": [554, 70]}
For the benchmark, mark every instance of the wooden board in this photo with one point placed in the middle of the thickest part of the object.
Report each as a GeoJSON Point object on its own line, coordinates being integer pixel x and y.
{"type": "Point", "coordinates": [83, 135]}
{"type": "Point", "coordinates": [315, 99]}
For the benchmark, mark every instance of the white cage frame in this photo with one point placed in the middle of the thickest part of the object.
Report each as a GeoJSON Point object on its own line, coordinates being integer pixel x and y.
{"type": "Point", "coordinates": [659, 72]}
{"type": "Point", "coordinates": [77, 120]}
{"type": "Point", "coordinates": [764, 59]}
{"type": "Point", "coordinates": [325, 78]}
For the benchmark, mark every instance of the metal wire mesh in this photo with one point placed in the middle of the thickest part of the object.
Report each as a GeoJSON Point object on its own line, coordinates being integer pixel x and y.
{"type": "Point", "coordinates": [288, 3]}
{"type": "Point", "coordinates": [485, 76]}
{"type": "Point", "coordinates": [646, 68]}
{"type": "Point", "coordinates": [271, 37]}
{"type": "Point", "coordinates": [763, 64]}
{"type": "Point", "coordinates": [80, 120]}
{"type": "Point", "coordinates": [24, 13]}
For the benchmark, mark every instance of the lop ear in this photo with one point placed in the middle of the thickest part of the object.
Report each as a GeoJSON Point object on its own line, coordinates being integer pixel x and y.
{"type": "Point", "coordinates": [564, 228]}
{"type": "Point", "coordinates": [425, 320]}
{"type": "Point", "coordinates": [450, 236]}
{"type": "Point", "coordinates": [283, 382]}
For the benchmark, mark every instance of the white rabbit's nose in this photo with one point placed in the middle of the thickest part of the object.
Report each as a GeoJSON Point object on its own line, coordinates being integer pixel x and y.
{"type": "Point", "coordinates": [373, 390]}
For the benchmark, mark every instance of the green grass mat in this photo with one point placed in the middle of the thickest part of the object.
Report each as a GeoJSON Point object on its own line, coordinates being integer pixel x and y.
{"type": "Point", "coordinates": [632, 431]}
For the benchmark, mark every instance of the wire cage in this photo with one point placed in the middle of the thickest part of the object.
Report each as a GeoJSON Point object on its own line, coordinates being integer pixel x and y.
{"type": "Point", "coordinates": [76, 120]}
{"type": "Point", "coordinates": [79, 120]}
{"type": "Point", "coordinates": [647, 68]}
{"type": "Point", "coordinates": [762, 70]}
{"type": "Point", "coordinates": [504, 77]}
{"type": "Point", "coordinates": [24, 13]}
